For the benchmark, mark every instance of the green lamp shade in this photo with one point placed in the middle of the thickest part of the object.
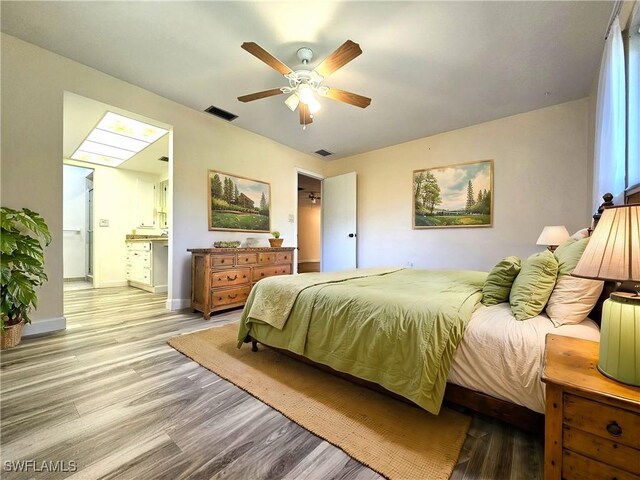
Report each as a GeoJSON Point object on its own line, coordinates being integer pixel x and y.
{"type": "Point", "coordinates": [620, 339]}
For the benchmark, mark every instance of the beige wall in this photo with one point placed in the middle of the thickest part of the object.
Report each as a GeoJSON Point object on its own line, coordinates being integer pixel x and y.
{"type": "Point", "coordinates": [33, 84]}
{"type": "Point", "coordinates": [540, 178]}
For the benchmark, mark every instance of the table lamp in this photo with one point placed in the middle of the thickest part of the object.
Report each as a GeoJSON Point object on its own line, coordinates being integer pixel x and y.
{"type": "Point", "coordinates": [552, 236]}
{"type": "Point", "coordinates": [613, 254]}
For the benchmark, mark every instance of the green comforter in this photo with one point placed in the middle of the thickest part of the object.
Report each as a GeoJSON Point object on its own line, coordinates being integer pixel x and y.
{"type": "Point", "coordinates": [399, 330]}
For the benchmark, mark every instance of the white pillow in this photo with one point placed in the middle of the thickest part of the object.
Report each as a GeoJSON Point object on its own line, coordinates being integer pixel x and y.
{"type": "Point", "coordinates": [580, 234]}
{"type": "Point", "coordinates": [572, 299]}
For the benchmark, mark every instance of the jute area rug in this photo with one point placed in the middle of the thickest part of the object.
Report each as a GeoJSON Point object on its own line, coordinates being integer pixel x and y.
{"type": "Point", "coordinates": [396, 439]}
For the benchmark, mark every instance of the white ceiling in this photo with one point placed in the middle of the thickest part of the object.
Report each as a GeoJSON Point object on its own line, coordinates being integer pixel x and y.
{"type": "Point", "coordinates": [429, 67]}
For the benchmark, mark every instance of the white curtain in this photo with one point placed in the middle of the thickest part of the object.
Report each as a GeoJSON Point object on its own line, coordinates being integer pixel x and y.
{"type": "Point", "coordinates": [633, 129]}
{"type": "Point", "coordinates": [609, 167]}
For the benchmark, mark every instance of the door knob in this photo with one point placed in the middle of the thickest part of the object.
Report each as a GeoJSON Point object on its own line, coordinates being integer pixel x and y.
{"type": "Point", "coordinates": [351, 235]}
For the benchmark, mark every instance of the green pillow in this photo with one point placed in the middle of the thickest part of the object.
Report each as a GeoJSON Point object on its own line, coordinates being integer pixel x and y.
{"type": "Point", "coordinates": [498, 283]}
{"type": "Point", "coordinates": [568, 255]}
{"type": "Point", "coordinates": [533, 286]}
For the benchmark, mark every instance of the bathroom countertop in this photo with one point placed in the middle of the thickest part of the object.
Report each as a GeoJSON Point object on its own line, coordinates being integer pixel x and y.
{"type": "Point", "coordinates": [146, 238]}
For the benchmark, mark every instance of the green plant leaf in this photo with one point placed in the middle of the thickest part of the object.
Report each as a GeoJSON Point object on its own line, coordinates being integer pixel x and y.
{"type": "Point", "coordinates": [8, 242]}
{"type": "Point", "coordinates": [31, 247]}
{"type": "Point", "coordinates": [21, 288]}
{"type": "Point", "coordinates": [37, 225]}
{"type": "Point", "coordinates": [6, 217]}
{"type": "Point", "coordinates": [5, 273]}
{"type": "Point", "coordinates": [27, 264]}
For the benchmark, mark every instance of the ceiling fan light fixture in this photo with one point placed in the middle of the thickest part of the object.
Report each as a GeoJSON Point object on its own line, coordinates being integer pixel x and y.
{"type": "Point", "coordinates": [305, 83]}
{"type": "Point", "coordinates": [292, 102]}
{"type": "Point", "coordinates": [305, 92]}
{"type": "Point", "coordinates": [314, 105]}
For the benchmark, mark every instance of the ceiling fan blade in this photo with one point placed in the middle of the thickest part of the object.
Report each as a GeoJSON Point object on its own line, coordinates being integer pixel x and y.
{"type": "Point", "coordinates": [343, 55]}
{"type": "Point", "coordinates": [305, 115]}
{"type": "Point", "coordinates": [348, 97]}
{"type": "Point", "coordinates": [258, 95]}
{"type": "Point", "coordinates": [260, 53]}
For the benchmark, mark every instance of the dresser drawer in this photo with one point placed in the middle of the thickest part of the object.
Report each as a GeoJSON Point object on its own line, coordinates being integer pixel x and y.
{"type": "Point", "coordinates": [228, 296]}
{"type": "Point", "coordinates": [283, 257]}
{"type": "Point", "coordinates": [621, 426]}
{"type": "Point", "coordinates": [223, 260]}
{"type": "Point", "coordinates": [595, 447]}
{"type": "Point", "coordinates": [267, 258]}
{"type": "Point", "coordinates": [263, 272]}
{"type": "Point", "coordinates": [247, 258]}
{"type": "Point", "coordinates": [142, 258]}
{"type": "Point", "coordinates": [227, 278]}
{"type": "Point", "coordinates": [146, 246]}
{"type": "Point", "coordinates": [576, 466]}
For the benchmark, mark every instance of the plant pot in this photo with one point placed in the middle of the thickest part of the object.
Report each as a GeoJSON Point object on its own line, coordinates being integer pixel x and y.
{"type": "Point", "coordinates": [276, 242]}
{"type": "Point", "coordinates": [12, 335]}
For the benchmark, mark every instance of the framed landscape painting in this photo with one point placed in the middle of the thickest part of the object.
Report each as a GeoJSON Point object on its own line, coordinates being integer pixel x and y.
{"type": "Point", "coordinates": [238, 203]}
{"type": "Point", "coordinates": [454, 196]}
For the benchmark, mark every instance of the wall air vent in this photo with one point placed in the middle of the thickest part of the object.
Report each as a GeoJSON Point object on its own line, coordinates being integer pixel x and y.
{"type": "Point", "coordinates": [218, 112]}
{"type": "Point", "coordinates": [323, 152]}
{"type": "Point", "coordinates": [164, 159]}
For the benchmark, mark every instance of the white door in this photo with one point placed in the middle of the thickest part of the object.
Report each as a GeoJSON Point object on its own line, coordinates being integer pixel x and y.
{"type": "Point", "coordinates": [339, 197]}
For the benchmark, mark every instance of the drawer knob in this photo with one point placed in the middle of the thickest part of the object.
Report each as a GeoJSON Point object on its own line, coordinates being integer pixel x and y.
{"type": "Point", "coordinates": [233, 296]}
{"type": "Point", "coordinates": [231, 279]}
{"type": "Point", "coordinates": [614, 429]}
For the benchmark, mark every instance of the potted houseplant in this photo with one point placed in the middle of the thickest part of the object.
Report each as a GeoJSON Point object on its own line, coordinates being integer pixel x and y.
{"type": "Point", "coordinates": [276, 241]}
{"type": "Point", "coordinates": [23, 237]}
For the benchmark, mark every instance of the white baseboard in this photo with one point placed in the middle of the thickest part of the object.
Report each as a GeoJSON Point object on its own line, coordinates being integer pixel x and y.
{"type": "Point", "coordinates": [112, 283]}
{"type": "Point", "coordinates": [174, 304]}
{"type": "Point", "coordinates": [46, 325]}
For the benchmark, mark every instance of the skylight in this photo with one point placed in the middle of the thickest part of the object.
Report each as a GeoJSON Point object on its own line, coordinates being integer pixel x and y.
{"type": "Point", "coordinates": [115, 139]}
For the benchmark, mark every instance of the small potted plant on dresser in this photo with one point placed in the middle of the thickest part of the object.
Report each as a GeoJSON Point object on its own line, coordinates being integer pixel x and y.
{"type": "Point", "coordinates": [276, 241]}
{"type": "Point", "coordinates": [24, 235]}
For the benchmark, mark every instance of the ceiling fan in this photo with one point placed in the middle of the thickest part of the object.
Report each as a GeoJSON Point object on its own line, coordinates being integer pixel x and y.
{"type": "Point", "coordinates": [304, 84]}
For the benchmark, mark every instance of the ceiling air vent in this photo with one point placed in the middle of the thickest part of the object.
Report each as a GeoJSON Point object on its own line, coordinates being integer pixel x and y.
{"type": "Point", "coordinates": [324, 152]}
{"type": "Point", "coordinates": [164, 159]}
{"type": "Point", "coordinates": [218, 112]}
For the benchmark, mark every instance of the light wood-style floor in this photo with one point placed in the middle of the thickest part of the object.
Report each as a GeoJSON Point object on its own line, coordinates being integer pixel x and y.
{"type": "Point", "coordinates": [110, 395]}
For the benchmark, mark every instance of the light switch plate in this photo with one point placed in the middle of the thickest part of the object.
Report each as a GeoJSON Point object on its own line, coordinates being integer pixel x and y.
{"type": "Point", "coordinates": [292, 218]}
{"type": "Point", "coordinates": [104, 222]}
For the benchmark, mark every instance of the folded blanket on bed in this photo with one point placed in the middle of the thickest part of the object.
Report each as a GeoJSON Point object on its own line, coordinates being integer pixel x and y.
{"type": "Point", "coordinates": [274, 297]}
{"type": "Point", "coordinates": [399, 330]}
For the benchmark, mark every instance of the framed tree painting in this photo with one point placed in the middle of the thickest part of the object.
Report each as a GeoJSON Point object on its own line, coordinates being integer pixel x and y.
{"type": "Point", "coordinates": [454, 196]}
{"type": "Point", "coordinates": [238, 203]}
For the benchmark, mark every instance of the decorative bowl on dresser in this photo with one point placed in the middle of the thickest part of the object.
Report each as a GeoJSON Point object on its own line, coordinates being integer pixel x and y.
{"type": "Point", "coordinates": [222, 278]}
{"type": "Point", "coordinates": [592, 424]}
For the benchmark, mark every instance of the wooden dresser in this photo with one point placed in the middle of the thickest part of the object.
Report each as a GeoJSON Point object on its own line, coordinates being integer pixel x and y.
{"type": "Point", "coordinates": [222, 278]}
{"type": "Point", "coordinates": [592, 424]}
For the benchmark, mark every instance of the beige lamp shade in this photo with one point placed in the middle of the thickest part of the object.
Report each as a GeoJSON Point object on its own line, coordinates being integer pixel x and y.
{"type": "Point", "coordinates": [553, 235]}
{"type": "Point", "coordinates": [613, 252]}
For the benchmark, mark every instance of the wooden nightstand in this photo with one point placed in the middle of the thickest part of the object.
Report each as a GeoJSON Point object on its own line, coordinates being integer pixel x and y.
{"type": "Point", "coordinates": [592, 424]}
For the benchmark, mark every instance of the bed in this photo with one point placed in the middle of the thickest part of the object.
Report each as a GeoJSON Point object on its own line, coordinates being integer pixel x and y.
{"type": "Point", "coordinates": [372, 325]}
